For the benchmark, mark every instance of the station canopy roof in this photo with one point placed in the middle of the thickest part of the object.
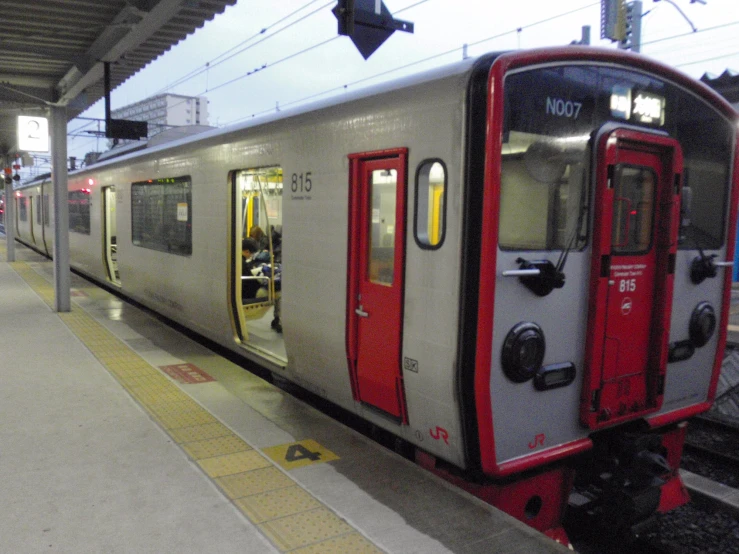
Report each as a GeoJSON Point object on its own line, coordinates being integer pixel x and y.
{"type": "Point", "coordinates": [52, 51]}
{"type": "Point", "coordinates": [726, 84]}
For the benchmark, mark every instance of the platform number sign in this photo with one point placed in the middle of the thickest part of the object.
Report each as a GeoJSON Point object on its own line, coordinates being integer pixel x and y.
{"type": "Point", "coordinates": [33, 134]}
{"type": "Point", "coordinates": [299, 454]}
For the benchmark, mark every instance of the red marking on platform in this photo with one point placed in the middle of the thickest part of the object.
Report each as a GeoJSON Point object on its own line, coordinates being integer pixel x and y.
{"type": "Point", "coordinates": [187, 374]}
{"type": "Point", "coordinates": [77, 293]}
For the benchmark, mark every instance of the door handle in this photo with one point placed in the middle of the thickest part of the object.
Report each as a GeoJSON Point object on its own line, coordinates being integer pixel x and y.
{"type": "Point", "coordinates": [521, 272]}
{"type": "Point", "coordinates": [360, 312]}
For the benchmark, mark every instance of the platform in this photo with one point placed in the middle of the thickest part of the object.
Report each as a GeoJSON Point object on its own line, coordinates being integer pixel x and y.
{"type": "Point", "coordinates": [118, 434]}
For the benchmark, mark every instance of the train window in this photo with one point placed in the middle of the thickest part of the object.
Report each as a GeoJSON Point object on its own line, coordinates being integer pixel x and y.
{"type": "Point", "coordinates": [383, 194]}
{"type": "Point", "coordinates": [633, 209]}
{"type": "Point", "coordinates": [429, 213]}
{"type": "Point", "coordinates": [22, 208]}
{"type": "Point", "coordinates": [79, 211]}
{"type": "Point", "coordinates": [702, 224]}
{"type": "Point", "coordinates": [559, 105]}
{"type": "Point", "coordinates": [161, 215]}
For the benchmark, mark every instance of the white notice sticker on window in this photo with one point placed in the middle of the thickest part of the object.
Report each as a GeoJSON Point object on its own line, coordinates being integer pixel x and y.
{"type": "Point", "coordinates": [182, 211]}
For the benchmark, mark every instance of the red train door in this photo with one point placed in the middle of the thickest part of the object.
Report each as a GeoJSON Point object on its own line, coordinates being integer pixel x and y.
{"type": "Point", "coordinates": [636, 216]}
{"type": "Point", "coordinates": [375, 288]}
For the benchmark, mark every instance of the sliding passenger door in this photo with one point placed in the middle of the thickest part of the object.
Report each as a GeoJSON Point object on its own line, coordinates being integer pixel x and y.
{"type": "Point", "coordinates": [376, 263]}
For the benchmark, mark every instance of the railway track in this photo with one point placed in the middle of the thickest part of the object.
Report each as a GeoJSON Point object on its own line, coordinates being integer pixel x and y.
{"type": "Point", "coordinates": [712, 449]}
{"type": "Point", "coordinates": [715, 438]}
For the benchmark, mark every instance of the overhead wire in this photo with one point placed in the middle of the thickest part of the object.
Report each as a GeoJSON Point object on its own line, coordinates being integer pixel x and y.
{"type": "Point", "coordinates": [314, 46]}
{"type": "Point", "coordinates": [216, 61]}
{"type": "Point", "coordinates": [286, 58]}
{"type": "Point", "coordinates": [476, 43]}
{"type": "Point", "coordinates": [704, 50]}
{"type": "Point", "coordinates": [272, 64]}
{"type": "Point", "coordinates": [730, 54]}
{"type": "Point", "coordinates": [417, 62]}
{"type": "Point", "coordinates": [681, 35]}
{"type": "Point", "coordinates": [401, 10]}
{"type": "Point", "coordinates": [727, 42]}
{"type": "Point", "coordinates": [221, 58]}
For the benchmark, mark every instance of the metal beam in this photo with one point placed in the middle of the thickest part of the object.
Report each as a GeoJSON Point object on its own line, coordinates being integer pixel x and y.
{"type": "Point", "coordinates": [41, 51]}
{"type": "Point", "coordinates": [33, 81]}
{"type": "Point", "coordinates": [112, 45]}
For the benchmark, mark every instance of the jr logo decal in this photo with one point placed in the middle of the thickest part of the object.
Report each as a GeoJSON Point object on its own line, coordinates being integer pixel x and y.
{"type": "Point", "coordinates": [439, 433]}
{"type": "Point", "coordinates": [538, 441]}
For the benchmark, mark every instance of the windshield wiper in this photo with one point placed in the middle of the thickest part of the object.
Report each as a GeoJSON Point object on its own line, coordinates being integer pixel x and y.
{"type": "Point", "coordinates": [576, 232]}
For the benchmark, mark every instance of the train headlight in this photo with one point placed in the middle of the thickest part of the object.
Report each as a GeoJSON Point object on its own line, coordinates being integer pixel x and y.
{"type": "Point", "coordinates": [702, 324]}
{"type": "Point", "coordinates": [523, 352]}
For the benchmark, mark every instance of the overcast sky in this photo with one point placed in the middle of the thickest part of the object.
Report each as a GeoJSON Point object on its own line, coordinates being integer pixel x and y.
{"type": "Point", "coordinates": [442, 27]}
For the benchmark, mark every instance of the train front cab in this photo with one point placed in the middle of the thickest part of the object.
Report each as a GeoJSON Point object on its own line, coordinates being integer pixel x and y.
{"type": "Point", "coordinates": [607, 210]}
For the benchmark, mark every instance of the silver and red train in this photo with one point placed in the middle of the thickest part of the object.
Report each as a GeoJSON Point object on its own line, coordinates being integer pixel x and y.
{"type": "Point", "coordinates": [516, 264]}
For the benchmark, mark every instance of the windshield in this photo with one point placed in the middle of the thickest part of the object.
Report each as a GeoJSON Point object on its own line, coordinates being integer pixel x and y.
{"type": "Point", "coordinates": [543, 191]}
{"type": "Point", "coordinates": [550, 115]}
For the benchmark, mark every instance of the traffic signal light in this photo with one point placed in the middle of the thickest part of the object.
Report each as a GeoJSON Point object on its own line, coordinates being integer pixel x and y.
{"type": "Point", "coordinates": [612, 18]}
{"type": "Point", "coordinates": [631, 39]}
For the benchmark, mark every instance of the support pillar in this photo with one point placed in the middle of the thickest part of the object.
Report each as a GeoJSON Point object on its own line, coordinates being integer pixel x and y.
{"type": "Point", "coordinates": [10, 221]}
{"type": "Point", "coordinates": [62, 275]}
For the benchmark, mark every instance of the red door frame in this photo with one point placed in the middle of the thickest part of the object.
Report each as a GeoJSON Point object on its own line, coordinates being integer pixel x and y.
{"type": "Point", "coordinates": [358, 247]}
{"type": "Point", "coordinates": [664, 242]}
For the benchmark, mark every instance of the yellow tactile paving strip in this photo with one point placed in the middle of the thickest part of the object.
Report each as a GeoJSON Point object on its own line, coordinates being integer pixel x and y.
{"type": "Point", "coordinates": [289, 516]}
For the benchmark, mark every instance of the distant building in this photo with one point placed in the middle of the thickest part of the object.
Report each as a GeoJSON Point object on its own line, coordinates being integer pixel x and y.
{"type": "Point", "coordinates": [164, 112]}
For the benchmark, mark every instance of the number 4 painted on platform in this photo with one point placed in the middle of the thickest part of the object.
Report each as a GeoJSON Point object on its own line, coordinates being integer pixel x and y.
{"type": "Point", "coordinates": [297, 452]}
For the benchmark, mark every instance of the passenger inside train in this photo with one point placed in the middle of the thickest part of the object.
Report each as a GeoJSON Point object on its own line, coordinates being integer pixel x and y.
{"type": "Point", "coordinates": [256, 274]}
{"type": "Point", "coordinates": [258, 235]}
{"type": "Point", "coordinates": [250, 284]}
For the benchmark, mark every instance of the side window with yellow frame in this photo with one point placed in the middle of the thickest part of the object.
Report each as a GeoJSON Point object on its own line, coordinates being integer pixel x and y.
{"type": "Point", "coordinates": [429, 217]}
